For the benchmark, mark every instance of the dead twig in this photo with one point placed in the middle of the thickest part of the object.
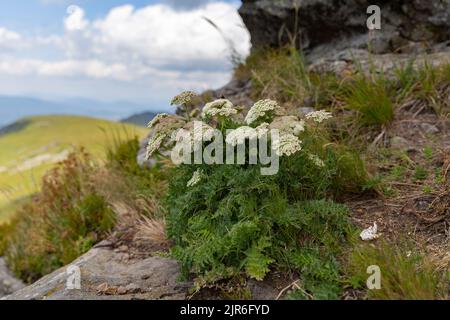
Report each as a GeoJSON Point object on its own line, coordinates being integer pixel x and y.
{"type": "Point", "coordinates": [296, 286]}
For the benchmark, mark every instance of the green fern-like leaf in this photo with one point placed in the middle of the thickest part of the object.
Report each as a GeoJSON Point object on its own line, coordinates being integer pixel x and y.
{"type": "Point", "coordinates": [257, 264]}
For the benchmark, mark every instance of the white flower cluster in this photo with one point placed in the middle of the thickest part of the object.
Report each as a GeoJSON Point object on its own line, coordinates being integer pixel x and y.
{"type": "Point", "coordinates": [220, 107]}
{"type": "Point", "coordinates": [297, 127]}
{"type": "Point", "coordinates": [239, 135]}
{"type": "Point", "coordinates": [169, 130]}
{"type": "Point", "coordinates": [319, 116]}
{"type": "Point", "coordinates": [286, 144]}
{"type": "Point", "coordinates": [201, 133]}
{"type": "Point", "coordinates": [194, 133]}
{"type": "Point", "coordinates": [316, 160]}
{"type": "Point", "coordinates": [163, 126]}
{"type": "Point", "coordinates": [157, 119]}
{"type": "Point", "coordinates": [183, 98]}
{"type": "Point", "coordinates": [155, 143]}
{"type": "Point", "coordinates": [196, 178]}
{"type": "Point", "coordinates": [260, 109]}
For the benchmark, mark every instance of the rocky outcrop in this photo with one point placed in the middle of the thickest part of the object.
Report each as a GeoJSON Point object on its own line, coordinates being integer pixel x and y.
{"type": "Point", "coordinates": [109, 274]}
{"type": "Point", "coordinates": [322, 27]}
{"type": "Point", "coordinates": [105, 274]}
{"type": "Point", "coordinates": [8, 283]}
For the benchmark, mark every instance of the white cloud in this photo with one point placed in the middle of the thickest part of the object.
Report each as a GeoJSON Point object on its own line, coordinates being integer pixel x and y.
{"type": "Point", "coordinates": [75, 19]}
{"type": "Point", "coordinates": [9, 39]}
{"type": "Point", "coordinates": [156, 44]}
{"type": "Point", "coordinates": [159, 35]}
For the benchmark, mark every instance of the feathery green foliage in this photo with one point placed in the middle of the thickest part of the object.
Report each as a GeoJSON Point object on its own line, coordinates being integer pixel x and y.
{"type": "Point", "coordinates": [238, 221]}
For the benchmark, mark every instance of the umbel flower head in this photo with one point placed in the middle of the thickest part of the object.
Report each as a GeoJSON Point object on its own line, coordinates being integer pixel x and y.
{"type": "Point", "coordinates": [319, 116]}
{"type": "Point", "coordinates": [183, 98]}
{"type": "Point", "coordinates": [157, 119]}
{"type": "Point", "coordinates": [288, 124]}
{"type": "Point", "coordinates": [196, 178]}
{"type": "Point", "coordinates": [220, 107]}
{"type": "Point", "coordinates": [194, 133]}
{"type": "Point", "coordinates": [154, 144]}
{"type": "Point", "coordinates": [286, 144]}
{"type": "Point", "coordinates": [239, 135]}
{"type": "Point", "coordinates": [261, 109]}
{"type": "Point", "coordinates": [316, 160]}
{"type": "Point", "coordinates": [162, 126]}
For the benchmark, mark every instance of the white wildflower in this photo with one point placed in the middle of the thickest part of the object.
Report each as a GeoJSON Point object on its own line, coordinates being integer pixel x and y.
{"type": "Point", "coordinates": [157, 119]}
{"type": "Point", "coordinates": [316, 160]}
{"type": "Point", "coordinates": [202, 131]}
{"type": "Point", "coordinates": [260, 109]}
{"type": "Point", "coordinates": [193, 134]}
{"type": "Point", "coordinates": [262, 129]}
{"type": "Point", "coordinates": [370, 233]}
{"type": "Point", "coordinates": [286, 144]}
{"type": "Point", "coordinates": [220, 107]}
{"type": "Point", "coordinates": [163, 128]}
{"type": "Point", "coordinates": [319, 116]}
{"type": "Point", "coordinates": [298, 127]}
{"type": "Point", "coordinates": [288, 124]}
{"type": "Point", "coordinates": [183, 98]}
{"type": "Point", "coordinates": [155, 143]}
{"type": "Point", "coordinates": [239, 135]}
{"type": "Point", "coordinates": [196, 178]}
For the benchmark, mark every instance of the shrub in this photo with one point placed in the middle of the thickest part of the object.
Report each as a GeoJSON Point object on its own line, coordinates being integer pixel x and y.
{"type": "Point", "coordinates": [228, 220]}
{"type": "Point", "coordinates": [62, 222]}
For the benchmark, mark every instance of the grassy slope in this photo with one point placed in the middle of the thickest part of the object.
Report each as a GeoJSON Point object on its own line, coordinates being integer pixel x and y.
{"type": "Point", "coordinates": [50, 136]}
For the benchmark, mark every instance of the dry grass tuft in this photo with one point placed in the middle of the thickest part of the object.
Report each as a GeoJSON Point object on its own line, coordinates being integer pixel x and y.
{"type": "Point", "coordinates": [153, 230]}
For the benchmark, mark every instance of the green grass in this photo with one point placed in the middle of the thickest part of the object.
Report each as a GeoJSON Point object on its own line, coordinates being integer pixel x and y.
{"type": "Point", "coordinates": [277, 74]}
{"type": "Point", "coordinates": [406, 273]}
{"type": "Point", "coordinates": [49, 136]}
{"type": "Point", "coordinates": [370, 98]}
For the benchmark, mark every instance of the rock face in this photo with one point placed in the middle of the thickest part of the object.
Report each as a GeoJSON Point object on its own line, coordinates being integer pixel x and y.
{"type": "Point", "coordinates": [8, 283]}
{"type": "Point", "coordinates": [104, 275]}
{"type": "Point", "coordinates": [327, 26]}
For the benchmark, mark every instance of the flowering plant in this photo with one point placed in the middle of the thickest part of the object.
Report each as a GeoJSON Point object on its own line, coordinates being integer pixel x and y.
{"type": "Point", "coordinates": [219, 118]}
{"type": "Point", "coordinates": [229, 219]}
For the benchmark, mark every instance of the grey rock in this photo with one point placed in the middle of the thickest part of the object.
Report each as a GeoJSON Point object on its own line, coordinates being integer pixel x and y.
{"type": "Point", "coordinates": [400, 143]}
{"type": "Point", "coordinates": [338, 25]}
{"type": "Point", "coordinates": [306, 110]}
{"type": "Point", "coordinates": [237, 91]}
{"type": "Point", "coordinates": [105, 276]}
{"type": "Point", "coordinates": [429, 128]}
{"type": "Point", "coordinates": [8, 283]}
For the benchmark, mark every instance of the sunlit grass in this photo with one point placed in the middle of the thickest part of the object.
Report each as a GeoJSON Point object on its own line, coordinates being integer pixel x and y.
{"type": "Point", "coordinates": [51, 136]}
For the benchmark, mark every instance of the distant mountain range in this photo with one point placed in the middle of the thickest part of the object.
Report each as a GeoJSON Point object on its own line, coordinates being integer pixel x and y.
{"type": "Point", "coordinates": [140, 119]}
{"type": "Point", "coordinates": [14, 108]}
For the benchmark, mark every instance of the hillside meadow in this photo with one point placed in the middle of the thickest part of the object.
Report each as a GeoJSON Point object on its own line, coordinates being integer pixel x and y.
{"type": "Point", "coordinates": [33, 145]}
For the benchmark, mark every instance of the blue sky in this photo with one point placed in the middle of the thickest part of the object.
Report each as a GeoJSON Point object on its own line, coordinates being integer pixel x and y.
{"type": "Point", "coordinates": [46, 15]}
{"type": "Point", "coordinates": [134, 50]}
